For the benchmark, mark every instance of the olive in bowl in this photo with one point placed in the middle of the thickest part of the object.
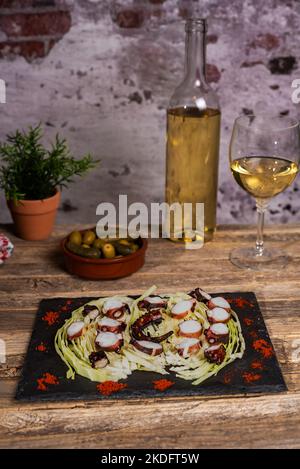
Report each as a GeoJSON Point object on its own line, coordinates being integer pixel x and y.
{"type": "Point", "coordinates": [95, 258]}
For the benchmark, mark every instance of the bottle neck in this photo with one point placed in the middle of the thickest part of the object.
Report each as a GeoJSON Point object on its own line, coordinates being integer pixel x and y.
{"type": "Point", "coordinates": [195, 57]}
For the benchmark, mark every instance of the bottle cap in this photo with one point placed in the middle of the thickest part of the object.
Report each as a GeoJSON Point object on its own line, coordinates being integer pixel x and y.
{"type": "Point", "coordinates": [196, 24]}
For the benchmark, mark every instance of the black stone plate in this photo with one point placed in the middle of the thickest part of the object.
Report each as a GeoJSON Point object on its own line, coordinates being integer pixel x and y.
{"type": "Point", "coordinates": [44, 373]}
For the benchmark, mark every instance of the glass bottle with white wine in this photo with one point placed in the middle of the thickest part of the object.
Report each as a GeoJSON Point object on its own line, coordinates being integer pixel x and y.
{"type": "Point", "coordinates": [193, 137]}
{"type": "Point", "coordinates": [264, 160]}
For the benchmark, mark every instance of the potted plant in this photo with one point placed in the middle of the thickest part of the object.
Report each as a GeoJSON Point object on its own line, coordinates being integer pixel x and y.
{"type": "Point", "coordinates": [32, 178]}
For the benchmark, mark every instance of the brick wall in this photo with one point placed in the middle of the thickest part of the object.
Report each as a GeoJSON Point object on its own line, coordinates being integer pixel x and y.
{"type": "Point", "coordinates": [100, 72]}
{"type": "Point", "coordinates": [30, 28]}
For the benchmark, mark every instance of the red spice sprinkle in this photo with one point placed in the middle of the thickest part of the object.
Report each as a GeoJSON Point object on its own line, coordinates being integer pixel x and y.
{"type": "Point", "coordinates": [251, 377]}
{"type": "Point", "coordinates": [248, 321]}
{"type": "Point", "coordinates": [51, 317]}
{"type": "Point", "coordinates": [108, 387]}
{"type": "Point", "coordinates": [256, 365]}
{"type": "Point", "coordinates": [162, 384]}
{"type": "Point", "coordinates": [47, 378]}
{"type": "Point", "coordinates": [227, 377]}
{"type": "Point", "coordinates": [241, 302]}
{"type": "Point", "coordinates": [41, 347]}
{"type": "Point", "coordinates": [262, 346]}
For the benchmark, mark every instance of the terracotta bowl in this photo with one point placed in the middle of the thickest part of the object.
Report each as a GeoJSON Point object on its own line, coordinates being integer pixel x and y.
{"type": "Point", "coordinates": [104, 269]}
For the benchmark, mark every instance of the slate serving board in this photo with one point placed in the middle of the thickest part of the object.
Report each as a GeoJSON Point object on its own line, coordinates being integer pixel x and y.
{"type": "Point", "coordinates": [44, 373]}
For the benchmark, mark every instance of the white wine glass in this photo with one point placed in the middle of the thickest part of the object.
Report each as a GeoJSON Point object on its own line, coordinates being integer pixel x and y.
{"type": "Point", "coordinates": [264, 159]}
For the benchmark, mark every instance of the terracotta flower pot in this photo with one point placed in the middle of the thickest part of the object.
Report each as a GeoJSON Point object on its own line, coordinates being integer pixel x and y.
{"type": "Point", "coordinates": [34, 219]}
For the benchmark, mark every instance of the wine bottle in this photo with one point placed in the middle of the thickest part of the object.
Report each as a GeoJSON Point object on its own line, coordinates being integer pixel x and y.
{"type": "Point", "coordinates": [193, 139]}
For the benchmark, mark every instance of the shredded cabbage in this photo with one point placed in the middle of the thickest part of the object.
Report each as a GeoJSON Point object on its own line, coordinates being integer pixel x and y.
{"type": "Point", "coordinates": [196, 368]}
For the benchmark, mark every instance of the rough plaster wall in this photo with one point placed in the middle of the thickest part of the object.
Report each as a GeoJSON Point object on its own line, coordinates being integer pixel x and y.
{"type": "Point", "coordinates": [105, 86]}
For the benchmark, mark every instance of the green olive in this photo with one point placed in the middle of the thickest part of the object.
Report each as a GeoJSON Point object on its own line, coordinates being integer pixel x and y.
{"type": "Point", "coordinates": [99, 243]}
{"type": "Point", "coordinates": [125, 242]}
{"type": "Point", "coordinates": [75, 238]}
{"type": "Point", "coordinates": [88, 237]}
{"type": "Point", "coordinates": [109, 251]}
{"type": "Point", "coordinates": [123, 249]}
{"type": "Point", "coordinates": [91, 253]}
{"type": "Point", "coordinates": [85, 246]}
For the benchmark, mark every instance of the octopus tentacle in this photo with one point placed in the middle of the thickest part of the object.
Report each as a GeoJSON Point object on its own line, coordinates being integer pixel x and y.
{"type": "Point", "coordinates": [153, 317]}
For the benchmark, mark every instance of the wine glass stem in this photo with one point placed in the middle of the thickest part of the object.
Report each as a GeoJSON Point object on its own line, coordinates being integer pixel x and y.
{"type": "Point", "coordinates": [261, 206]}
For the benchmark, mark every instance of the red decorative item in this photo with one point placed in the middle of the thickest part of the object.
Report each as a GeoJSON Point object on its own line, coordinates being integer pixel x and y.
{"type": "Point", "coordinates": [6, 248]}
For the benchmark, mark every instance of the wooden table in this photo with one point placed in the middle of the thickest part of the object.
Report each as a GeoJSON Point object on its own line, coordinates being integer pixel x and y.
{"type": "Point", "coordinates": [35, 271]}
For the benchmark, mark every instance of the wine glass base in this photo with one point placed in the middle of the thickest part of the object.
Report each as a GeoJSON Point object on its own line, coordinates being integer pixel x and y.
{"type": "Point", "coordinates": [247, 258]}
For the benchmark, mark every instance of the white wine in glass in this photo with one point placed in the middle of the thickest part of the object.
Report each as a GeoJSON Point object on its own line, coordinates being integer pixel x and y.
{"type": "Point", "coordinates": [264, 160]}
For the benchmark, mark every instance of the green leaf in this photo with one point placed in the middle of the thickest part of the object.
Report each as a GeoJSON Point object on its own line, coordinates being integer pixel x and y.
{"type": "Point", "coordinates": [30, 171]}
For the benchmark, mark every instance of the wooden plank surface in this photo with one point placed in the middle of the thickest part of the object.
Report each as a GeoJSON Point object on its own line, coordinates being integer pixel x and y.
{"type": "Point", "coordinates": [36, 271]}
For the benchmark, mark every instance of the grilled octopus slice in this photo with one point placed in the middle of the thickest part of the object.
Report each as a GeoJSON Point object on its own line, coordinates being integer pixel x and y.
{"type": "Point", "coordinates": [188, 346]}
{"type": "Point", "coordinates": [152, 302]}
{"type": "Point", "coordinates": [153, 317]}
{"type": "Point", "coordinates": [115, 309]}
{"type": "Point", "coordinates": [107, 324]}
{"type": "Point", "coordinates": [182, 308]}
{"type": "Point", "coordinates": [98, 359]}
{"type": "Point", "coordinates": [215, 354]}
{"type": "Point", "coordinates": [75, 330]}
{"type": "Point", "coordinates": [217, 333]}
{"type": "Point", "coordinates": [150, 348]}
{"type": "Point", "coordinates": [109, 341]}
{"type": "Point", "coordinates": [200, 295]}
{"type": "Point", "coordinates": [92, 311]}
{"type": "Point", "coordinates": [219, 302]}
{"type": "Point", "coordinates": [190, 328]}
{"type": "Point", "coordinates": [218, 315]}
